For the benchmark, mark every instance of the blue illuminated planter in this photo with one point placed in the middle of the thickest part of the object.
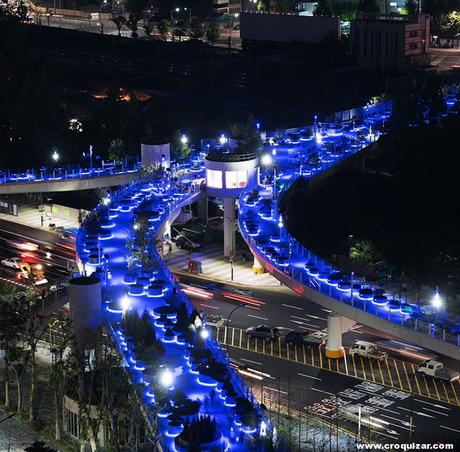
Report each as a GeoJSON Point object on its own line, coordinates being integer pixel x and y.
{"type": "Point", "coordinates": [143, 281]}
{"type": "Point", "coordinates": [93, 259]}
{"type": "Point", "coordinates": [136, 289]}
{"type": "Point", "coordinates": [380, 300]}
{"type": "Point", "coordinates": [105, 235]}
{"type": "Point", "coordinates": [366, 294]}
{"type": "Point", "coordinates": [130, 278]}
{"type": "Point", "coordinates": [155, 290]}
{"type": "Point", "coordinates": [216, 445]}
{"type": "Point", "coordinates": [313, 271]}
{"type": "Point", "coordinates": [334, 278]}
{"type": "Point", "coordinates": [394, 305]}
{"type": "Point", "coordinates": [344, 285]}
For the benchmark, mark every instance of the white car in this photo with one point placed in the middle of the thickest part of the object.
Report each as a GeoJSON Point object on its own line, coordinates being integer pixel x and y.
{"type": "Point", "coordinates": [15, 262]}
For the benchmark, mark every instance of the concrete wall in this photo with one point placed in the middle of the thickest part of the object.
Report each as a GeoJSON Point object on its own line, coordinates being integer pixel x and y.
{"type": "Point", "coordinates": [156, 154]}
{"type": "Point", "coordinates": [67, 184]}
{"type": "Point", "coordinates": [287, 28]}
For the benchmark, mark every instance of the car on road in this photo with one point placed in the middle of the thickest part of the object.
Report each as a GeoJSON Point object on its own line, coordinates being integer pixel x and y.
{"type": "Point", "coordinates": [437, 370]}
{"type": "Point", "coordinates": [263, 332]}
{"type": "Point", "coordinates": [16, 263]}
{"type": "Point", "coordinates": [367, 350]}
{"type": "Point", "coordinates": [214, 320]}
{"type": "Point", "coordinates": [302, 338]}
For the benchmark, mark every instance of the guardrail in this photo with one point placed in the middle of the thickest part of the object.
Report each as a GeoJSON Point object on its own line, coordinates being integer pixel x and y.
{"type": "Point", "coordinates": [429, 330]}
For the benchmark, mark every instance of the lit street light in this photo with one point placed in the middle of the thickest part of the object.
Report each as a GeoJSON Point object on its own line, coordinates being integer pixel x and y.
{"type": "Point", "coordinates": [204, 333]}
{"type": "Point", "coordinates": [223, 139]}
{"type": "Point", "coordinates": [184, 139]}
{"type": "Point", "coordinates": [166, 378]}
{"type": "Point", "coordinates": [55, 155]}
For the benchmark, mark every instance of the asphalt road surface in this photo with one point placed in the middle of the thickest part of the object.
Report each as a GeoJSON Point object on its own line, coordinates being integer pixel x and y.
{"type": "Point", "coordinates": [319, 386]}
{"type": "Point", "coordinates": [36, 246]}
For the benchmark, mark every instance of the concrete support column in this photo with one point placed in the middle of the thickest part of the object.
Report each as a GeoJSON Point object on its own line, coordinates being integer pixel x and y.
{"type": "Point", "coordinates": [229, 227]}
{"type": "Point", "coordinates": [85, 296]}
{"type": "Point", "coordinates": [257, 268]}
{"type": "Point", "coordinates": [202, 210]}
{"type": "Point", "coordinates": [334, 347]}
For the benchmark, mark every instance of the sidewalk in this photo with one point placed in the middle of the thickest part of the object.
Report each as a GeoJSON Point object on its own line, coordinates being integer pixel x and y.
{"type": "Point", "coordinates": [216, 266]}
{"type": "Point", "coordinates": [30, 216]}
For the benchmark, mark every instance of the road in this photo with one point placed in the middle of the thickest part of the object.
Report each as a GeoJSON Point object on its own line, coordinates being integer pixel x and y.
{"type": "Point", "coordinates": [55, 255]}
{"type": "Point", "coordinates": [312, 380]}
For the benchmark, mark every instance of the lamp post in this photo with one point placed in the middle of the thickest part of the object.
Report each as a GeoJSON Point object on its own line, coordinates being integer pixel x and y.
{"type": "Point", "coordinates": [230, 261]}
{"type": "Point", "coordinates": [436, 302]}
{"type": "Point", "coordinates": [91, 157]}
{"type": "Point", "coordinates": [242, 305]}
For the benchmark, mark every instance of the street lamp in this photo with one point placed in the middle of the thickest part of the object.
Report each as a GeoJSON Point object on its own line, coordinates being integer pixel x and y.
{"type": "Point", "coordinates": [223, 139]}
{"type": "Point", "coordinates": [184, 139]}
{"type": "Point", "coordinates": [204, 333]}
{"type": "Point", "coordinates": [55, 155]}
{"type": "Point", "coordinates": [125, 304]}
{"type": "Point", "coordinates": [91, 157]}
{"type": "Point", "coordinates": [242, 305]}
{"type": "Point", "coordinates": [166, 378]}
{"type": "Point", "coordinates": [230, 261]}
{"type": "Point", "coordinates": [436, 301]}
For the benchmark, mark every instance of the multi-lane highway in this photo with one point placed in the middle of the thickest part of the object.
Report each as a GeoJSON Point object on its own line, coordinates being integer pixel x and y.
{"type": "Point", "coordinates": [386, 390]}
{"type": "Point", "coordinates": [36, 246]}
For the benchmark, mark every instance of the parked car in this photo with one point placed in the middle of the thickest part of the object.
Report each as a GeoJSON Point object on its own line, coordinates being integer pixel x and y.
{"type": "Point", "coordinates": [302, 338]}
{"type": "Point", "coordinates": [367, 350]}
{"type": "Point", "coordinates": [262, 331]}
{"type": "Point", "coordinates": [437, 370]}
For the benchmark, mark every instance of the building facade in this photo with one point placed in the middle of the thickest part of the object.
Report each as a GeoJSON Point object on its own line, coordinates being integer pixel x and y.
{"type": "Point", "coordinates": [389, 42]}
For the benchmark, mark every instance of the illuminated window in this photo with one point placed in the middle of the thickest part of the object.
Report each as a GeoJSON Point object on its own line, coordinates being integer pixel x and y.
{"type": "Point", "coordinates": [231, 179]}
{"type": "Point", "coordinates": [214, 178]}
{"type": "Point", "coordinates": [236, 179]}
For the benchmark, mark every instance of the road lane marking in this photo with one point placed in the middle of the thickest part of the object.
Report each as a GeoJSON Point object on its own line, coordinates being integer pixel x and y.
{"type": "Point", "coordinates": [320, 390]}
{"type": "Point", "coordinates": [407, 377]}
{"type": "Point", "coordinates": [372, 368]}
{"type": "Point", "coordinates": [449, 428]}
{"type": "Point", "coordinates": [455, 393]}
{"type": "Point", "coordinates": [263, 347]}
{"type": "Point", "coordinates": [292, 307]}
{"type": "Point", "coordinates": [251, 361]}
{"type": "Point", "coordinates": [415, 379]}
{"type": "Point", "coordinates": [381, 373]}
{"type": "Point", "coordinates": [209, 306]}
{"type": "Point", "coordinates": [417, 412]}
{"type": "Point", "coordinates": [345, 361]}
{"type": "Point", "coordinates": [427, 388]}
{"type": "Point", "coordinates": [276, 390]}
{"type": "Point", "coordinates": [434, 411]}
{"type": "Point", "coordinates": [389, 373]}
{"type": "Point", "coordinates": [397, 373]}
{"type": "Point", "coordinates": [433, 405]}
{"type": "Point", "coordinates": [257, 317]}
{"type": "Point", "coordinates": [445, 391]}
{"type": "Point", "coordinates": [295, 353]}
{"type": "Point", "coordinates": [309, 376]}
{"type": "Point", "coordinates": [362, 367]}
{"type": "Point", "coordinates": [271, 347]}
{"type": "Point", "coordinates": [354, 365]}
{"type": "Point", "coordinates": [436, 388]}
{"type": "Point", "coordinates": [315, 317]}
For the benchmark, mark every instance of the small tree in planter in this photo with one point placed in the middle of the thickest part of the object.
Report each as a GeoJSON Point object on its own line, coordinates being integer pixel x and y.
{"type": "Point", "coordinates": [200, 431]}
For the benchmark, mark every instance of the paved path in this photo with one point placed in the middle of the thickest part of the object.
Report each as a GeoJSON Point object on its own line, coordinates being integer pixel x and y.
{"type": "Point", "coordinates": [30, 216]}
{"type": "Point", "coordinates": [216, 266]}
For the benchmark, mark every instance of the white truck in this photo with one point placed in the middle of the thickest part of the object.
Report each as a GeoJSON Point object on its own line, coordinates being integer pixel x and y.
{"type": "Point", "coordinates": [367, 350]}
{"type": "Point", "coordinates": [437, 370]}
